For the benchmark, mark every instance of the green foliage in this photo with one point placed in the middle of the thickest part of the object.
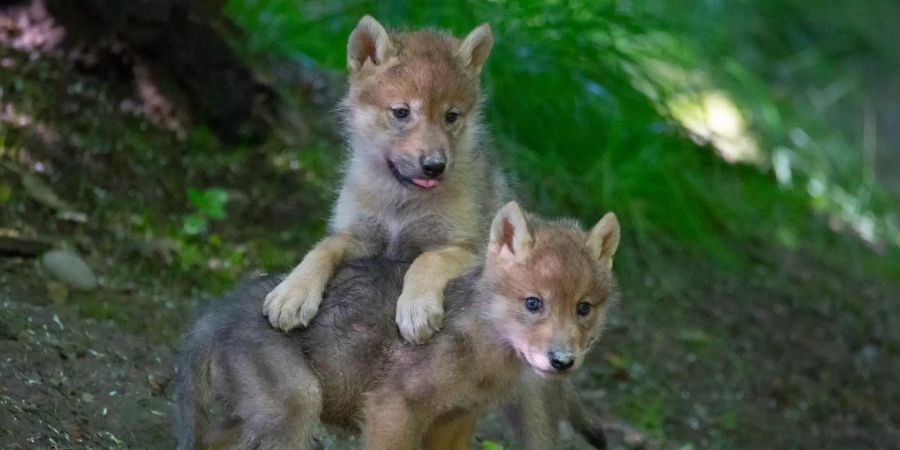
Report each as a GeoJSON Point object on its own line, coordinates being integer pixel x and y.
{"type": "Point", "coordinates": [579, 104]}
{"type": "Point", "coordinates": [810, 94]}
{"type": "Point", "coordinates": [209, 204]}
{"type": "Point", "coordinates": [491, 445]}
{"type": "Point", "coordinates": [5, 192]}
{"type": "Point", "coordinates": [591, 103]}
{"type": "Point", "coordinates": [650, 417]}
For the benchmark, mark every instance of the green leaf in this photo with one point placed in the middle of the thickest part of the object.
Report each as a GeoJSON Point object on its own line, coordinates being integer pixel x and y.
{"type": "Point", "coordinates": [5, 192]}
{"type": "Point", "coordinates": [209, 202]}
{"type": "Point", "coordinates": [491, 445]}
{"type": "Point", "coordinates": [194, 224]}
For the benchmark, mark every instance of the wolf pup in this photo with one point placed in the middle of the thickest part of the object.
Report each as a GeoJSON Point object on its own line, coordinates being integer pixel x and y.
{"type": "Point", "coordinates": [537, 303]}
{"type": "Point", "coordinates": [418, 182]}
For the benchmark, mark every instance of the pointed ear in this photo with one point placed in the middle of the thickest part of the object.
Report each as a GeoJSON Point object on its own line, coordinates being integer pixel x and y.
{"type": "Point", "coordinates": [369, 41]}
{"type": "Point", "coordinates": [476, 47]}
{"type": "Point", "coordinates": [510, 236]}
{"type": "Point", "coordinates": [604, 240]}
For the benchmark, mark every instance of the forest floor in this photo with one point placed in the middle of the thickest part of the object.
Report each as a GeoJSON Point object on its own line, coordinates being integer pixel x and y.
{"type": "Point", "coordinates": [791, 351]}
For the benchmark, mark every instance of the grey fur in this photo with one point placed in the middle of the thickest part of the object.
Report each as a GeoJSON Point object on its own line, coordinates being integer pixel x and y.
{"type": "Point", "coordinates": [262, 387]}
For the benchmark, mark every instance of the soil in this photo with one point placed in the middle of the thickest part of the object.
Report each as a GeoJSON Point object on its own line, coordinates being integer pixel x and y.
{"type": "Point", "coordinates": [70, 382]}
{"type": "Point", "coordinates": [792, 350]}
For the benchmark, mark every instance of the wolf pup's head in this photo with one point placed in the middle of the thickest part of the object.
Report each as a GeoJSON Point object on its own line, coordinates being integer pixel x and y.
{"type": "Point", "coordinates": [551, 283]}
{"type": "Point", "coordinates": [413, 105]}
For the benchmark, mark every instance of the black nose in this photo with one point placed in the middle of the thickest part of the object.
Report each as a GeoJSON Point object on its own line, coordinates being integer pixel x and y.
{"type": "Point", "coordinates": [433, 166]}
{"type": "Point", "coordinates": [561, 360]}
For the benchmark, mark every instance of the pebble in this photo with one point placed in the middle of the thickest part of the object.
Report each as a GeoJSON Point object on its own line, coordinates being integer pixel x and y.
{"type": "Point", "coordinates": [634, 440]}
{"type": "Point", "coordinates": [70, 268]}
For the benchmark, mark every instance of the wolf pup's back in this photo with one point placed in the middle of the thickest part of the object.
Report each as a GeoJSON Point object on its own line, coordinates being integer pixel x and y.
{"type": "Point", "coordinates": [232, 356]}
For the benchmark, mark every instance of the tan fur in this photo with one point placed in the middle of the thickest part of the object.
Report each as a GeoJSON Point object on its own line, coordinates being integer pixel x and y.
{"type": "Point", "coordinates": [419, 306]}
{"type": "Point", "coordinates": [604, 239]}
{"type": "Point", "coordinates": [369, 42]}
{"type": "Point", "coordinates": [431, 74]}
{"type": "Point", "coordinates": [566, 255]}
{"type": "Point", "coordinates": [557, 264]}
{"type": "Point", "coordinates": [350, 368]}
{"type": "Point", "coordinates": [309, 278]}
{"type": "Point", "coordinates": [453, 433]}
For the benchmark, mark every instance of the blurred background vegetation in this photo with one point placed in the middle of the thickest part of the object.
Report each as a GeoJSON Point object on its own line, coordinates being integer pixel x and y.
{"type": "Point", "coordinates": [603, 105]}
{"type": "Point", "coordinates": [748, 147]}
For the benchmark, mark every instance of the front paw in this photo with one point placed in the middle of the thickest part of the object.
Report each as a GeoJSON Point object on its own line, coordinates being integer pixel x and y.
{"type": "Point", "coordinates": [293, 304]}
{"type": "Point", "coordinates": [419, 315]}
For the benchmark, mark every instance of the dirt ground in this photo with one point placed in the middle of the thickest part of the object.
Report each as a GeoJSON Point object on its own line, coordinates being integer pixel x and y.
{"type": "Point", "coordinates": [76, 383]}
{"type": "Point", "coordinates": [816, 361]}
{"type": "Point", "coordinates": [792, 350]}
{"type": "Point", "coordinates": [79, 383]}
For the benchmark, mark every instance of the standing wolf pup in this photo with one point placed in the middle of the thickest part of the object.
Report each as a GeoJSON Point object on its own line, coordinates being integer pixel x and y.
{"type": "Point", "coordinates": [417, 173]}
{"type": "Point", "coordinates": [538, 302]}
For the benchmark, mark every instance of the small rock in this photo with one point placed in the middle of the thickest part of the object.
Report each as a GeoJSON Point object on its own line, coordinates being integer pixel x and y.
{"type": "Point", "coordinates": [868, 354]}
{"type": "Point", "coordinates": [69, 268]}
{"type": "Point", "coordinates": [157, 383]}
{"type": "Point", "coordinates": [634, 440]}
{"type": "Point", "coordinates": [87, 398]}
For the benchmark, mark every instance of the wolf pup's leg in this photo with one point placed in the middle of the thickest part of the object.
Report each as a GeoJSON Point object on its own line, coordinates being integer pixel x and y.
{"type": "Point", "coordinates": [390, 423]}
{"type": "Point", "coordinates": [539, 405]}
{"type": "Point", "coordinates": [591, 431]}
{"type": "Point", "coordinates": [534, 421]}
{"type": "Point", "coordinates": [271, 394]}
{"type": "Point", "coordinates": [193, 389]}
{"type": "Point", "coordinates": [420, 308]}
{"type": "Point", "coordinates": [296, 300]}
{"type": "Point", "coordinates": [453, 434]}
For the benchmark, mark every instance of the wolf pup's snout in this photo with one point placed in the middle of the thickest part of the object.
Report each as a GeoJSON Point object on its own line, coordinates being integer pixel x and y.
{"type": "Point", "coordinates": [561, 360]}
{"type": "Point", "coordinates": [433, 165]}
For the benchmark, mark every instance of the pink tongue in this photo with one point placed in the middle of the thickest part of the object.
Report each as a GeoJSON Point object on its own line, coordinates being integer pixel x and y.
{"type": "Point", "coordinates": [425, 183]}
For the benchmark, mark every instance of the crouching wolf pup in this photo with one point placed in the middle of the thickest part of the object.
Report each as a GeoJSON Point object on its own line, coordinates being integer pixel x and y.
{"type": "Point", "coordinates": [536, 304]}
{"type": "Point", "coordinates": [418, 181]}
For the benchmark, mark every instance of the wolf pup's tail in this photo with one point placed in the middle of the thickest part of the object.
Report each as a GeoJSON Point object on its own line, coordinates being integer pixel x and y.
{"type": "Point", "coordinates": [193, 387]}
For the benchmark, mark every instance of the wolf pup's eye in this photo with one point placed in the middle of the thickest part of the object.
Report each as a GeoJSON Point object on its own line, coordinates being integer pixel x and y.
{"type": "Point", "coordinates": [583, 308]}
{"type": "Point", "coordinates": [401, 112]}
{"type": "Point", "coordinates": [451, 116]}
{"type": "Point", "coordinates": [533, 304]}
